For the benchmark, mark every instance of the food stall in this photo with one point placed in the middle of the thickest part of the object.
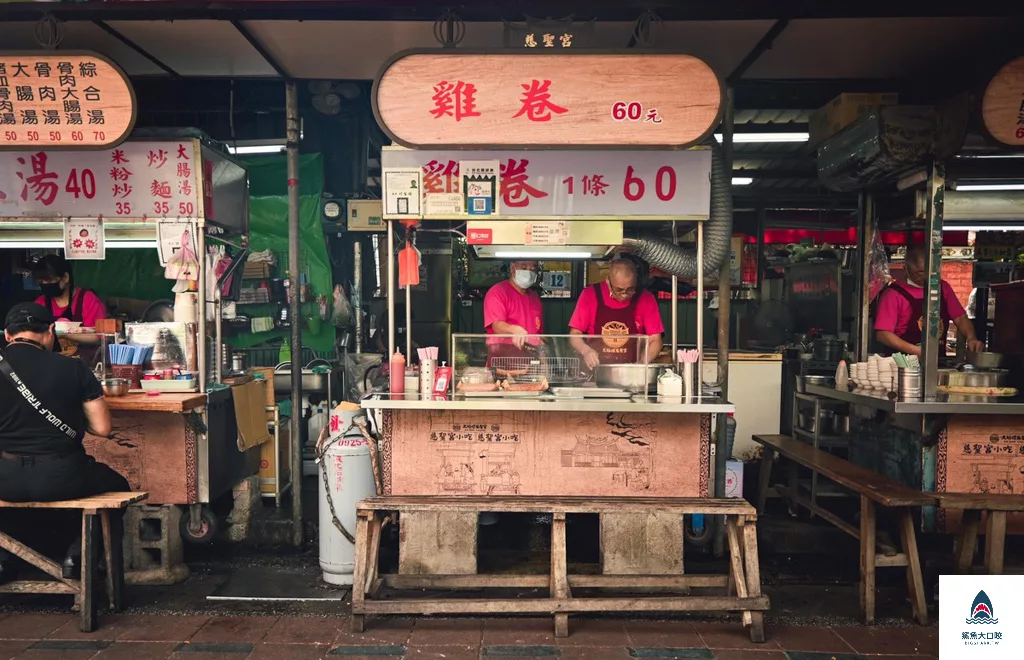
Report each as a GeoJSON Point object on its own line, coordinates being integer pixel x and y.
{"type": "Point", "coordinates": [954, 425]}
{"type": "Point", "coordinates": [175, 439]}
{"type": "Point", "coordinates": [547, 425]}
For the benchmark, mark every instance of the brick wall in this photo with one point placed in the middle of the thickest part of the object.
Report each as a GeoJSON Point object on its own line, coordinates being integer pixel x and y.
{"type": "Point", "coordinates": [960, 275]}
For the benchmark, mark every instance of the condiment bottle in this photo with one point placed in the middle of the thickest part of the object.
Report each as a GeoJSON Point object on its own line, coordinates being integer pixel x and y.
{"type": "Point", "coordinates": [397, 373]}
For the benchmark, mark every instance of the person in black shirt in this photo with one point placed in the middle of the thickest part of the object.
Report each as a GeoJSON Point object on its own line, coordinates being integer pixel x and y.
{"type": "Point", "coordinates": [47, 404]}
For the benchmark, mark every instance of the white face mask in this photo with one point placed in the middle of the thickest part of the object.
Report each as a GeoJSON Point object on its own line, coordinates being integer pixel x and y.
{"type": "Point", "coordinates": [913, 284]}
{"type": "Point", "coordinates": [525, 278]}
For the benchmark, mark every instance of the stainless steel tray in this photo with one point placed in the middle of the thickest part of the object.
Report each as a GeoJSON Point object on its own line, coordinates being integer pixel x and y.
{"type": "Point", "coordinates": [590, 392]}
{"type": "Point", "coordinates": [504, 394]}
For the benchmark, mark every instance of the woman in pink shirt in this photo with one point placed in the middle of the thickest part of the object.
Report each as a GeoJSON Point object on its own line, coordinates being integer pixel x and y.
{"type": "Point", "coordinates": [66, 301]}
{"type": "Point", "coordinates": [899, 319]}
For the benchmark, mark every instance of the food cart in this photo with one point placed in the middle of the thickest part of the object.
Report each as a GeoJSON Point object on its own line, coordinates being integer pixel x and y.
{"type": "Point", "coordinates": [179, 446]}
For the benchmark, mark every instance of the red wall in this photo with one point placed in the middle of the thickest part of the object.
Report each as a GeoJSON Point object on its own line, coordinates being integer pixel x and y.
{"type": "Point", "coordinates": [960, 275]}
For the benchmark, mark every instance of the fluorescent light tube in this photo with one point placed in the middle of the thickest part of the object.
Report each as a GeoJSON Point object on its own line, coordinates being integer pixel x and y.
{"type": "Point", "coordinates": [542, 256]}
{"type": "Point", "coordinates": [742, 180]}
{"type": "Point", "coordinates": [43, 244]}
{"type": "Point", "coordinates": [1006, 227]}
{"type": "Point", "coordinates": [988, 187]}
{"type": "Point", "coordinates": [256, 149]}
{"type": "Point", "coordinates": [739, 138]}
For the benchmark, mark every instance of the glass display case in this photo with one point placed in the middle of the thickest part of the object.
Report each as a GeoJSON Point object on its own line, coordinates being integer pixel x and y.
{"type": "Point", "coordinates": [535, 365]}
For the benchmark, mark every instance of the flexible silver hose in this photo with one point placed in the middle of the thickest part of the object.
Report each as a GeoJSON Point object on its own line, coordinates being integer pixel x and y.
{"type": "Point", "coordinates": [682, 261]}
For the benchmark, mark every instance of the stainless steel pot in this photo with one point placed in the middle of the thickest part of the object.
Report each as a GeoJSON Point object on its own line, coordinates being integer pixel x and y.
{"type": "Point", "coordinates": [822, 381]}
{"type": "Point", "coordinates": [630, 377]}
{"type": "Point", "coordinates": [809, 423]}
{"type": "Point", "coordinates": [985, 359]}
{"type": "Point", "coordinates": [973, 377]}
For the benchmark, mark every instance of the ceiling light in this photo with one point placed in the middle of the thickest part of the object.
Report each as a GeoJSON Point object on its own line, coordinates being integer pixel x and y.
{"type": "Point", "coordinates": [59, 244]}
{"type": "Point", "coordinates": [256, 149]}
{"type": "Point", "coordinates": [538, 255]}
{"type": "Point", "coordinates": [742, 180]}
{"type": "Point", "coordinates": [988, 187]}
{"type": "Point", "coordinates": [738, 138]}
{"type": "Point", "coordinates": [984, 228]}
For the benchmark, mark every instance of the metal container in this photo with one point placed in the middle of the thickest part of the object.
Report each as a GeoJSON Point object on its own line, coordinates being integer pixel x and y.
{"type": "Point", "coordinates": [311, 382]}
{"type": "Point", "coordinates": [114, 387]}
{"type": "Point", "coordinates": [841, 424]}
{"type": "Point", "coordinates": [828, 350]}
{"type": "Point", "coordinates": [908, 384]}
{"type": "Point", "coordinates": [973, 377]}
{"type": "Point", "coordinates": [823, 381]}
{"type": "Point", "coordinates": [630, 377]}
{"type": "Point", "coordinates": [985, 359]}
{"type": "Point", "coordinates": [810, 424]}
{"type": "Point", "coordinates": [238, 362]}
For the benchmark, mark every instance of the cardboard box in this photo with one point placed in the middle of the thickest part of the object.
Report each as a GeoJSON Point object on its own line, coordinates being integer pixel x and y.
{"type": "Point", "coordinates": [842, 111]}
{"type": "Point", "coordinates": [268, 461]}
{"type": "Point", "coordinates": [734, 479]}
{"type": "Point", "coordinates": [365, 215]}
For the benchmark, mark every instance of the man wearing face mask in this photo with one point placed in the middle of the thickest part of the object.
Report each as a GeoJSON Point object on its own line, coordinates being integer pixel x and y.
{"type": "Point", "coordinates": [615, 309]}
{"type": "Point", "coordinates": [513, 308]}
{"type": "Point", "coordinates": [900, 317]}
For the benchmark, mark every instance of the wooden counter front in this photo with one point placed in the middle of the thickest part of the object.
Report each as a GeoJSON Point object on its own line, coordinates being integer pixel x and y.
{"type": "Point", "coordinates": [171, 402]}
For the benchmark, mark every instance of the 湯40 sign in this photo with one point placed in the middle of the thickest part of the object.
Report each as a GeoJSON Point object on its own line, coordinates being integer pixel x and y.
{"type": "Point", "coordinates": [671, 184]}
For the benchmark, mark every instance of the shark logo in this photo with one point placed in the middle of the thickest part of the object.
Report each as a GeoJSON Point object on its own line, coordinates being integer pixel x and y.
{"type": "Point", "coordinates": [982, 610]}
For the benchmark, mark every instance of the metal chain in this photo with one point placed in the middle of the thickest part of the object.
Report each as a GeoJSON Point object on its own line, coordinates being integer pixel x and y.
{"type": "Point", "coordinates": [327, 486]}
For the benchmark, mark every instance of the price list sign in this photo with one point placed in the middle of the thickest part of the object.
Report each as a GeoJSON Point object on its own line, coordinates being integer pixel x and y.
{"type": "Point", "coordinates": [63, 100]}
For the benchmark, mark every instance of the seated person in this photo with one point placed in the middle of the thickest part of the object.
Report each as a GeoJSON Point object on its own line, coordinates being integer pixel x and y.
{"type": "Point", "coordinates": [41, 453]}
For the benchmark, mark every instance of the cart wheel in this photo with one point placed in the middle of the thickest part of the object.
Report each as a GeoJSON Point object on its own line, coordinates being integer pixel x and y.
{"type": "Point", "coordinates": [208, 525]}
{"type": "Point", "coordinates": [697, 539]}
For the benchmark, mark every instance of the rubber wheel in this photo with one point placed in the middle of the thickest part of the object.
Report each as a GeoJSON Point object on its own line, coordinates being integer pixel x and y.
{"type": "Point", "coordinates": [695, 540]}
{"type": "Point", "coordinates": [208, 526]}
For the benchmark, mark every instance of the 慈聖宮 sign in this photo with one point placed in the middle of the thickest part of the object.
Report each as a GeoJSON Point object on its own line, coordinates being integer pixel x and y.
{"type": "Point", "coordinates": [158, 179]}
{"type": "Point", "coordinates": [63, 100]}
{"type": "Point", "coordinates": [539, 184]}
{"type": "Point", "coordinates": [524, 98]}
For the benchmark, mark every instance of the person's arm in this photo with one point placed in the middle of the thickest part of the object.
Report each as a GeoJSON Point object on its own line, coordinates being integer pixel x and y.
{"type": "Point", "coordinates": [893, 341]}
{"type": "Point", "coordinates": [580, 322]}
{"type": "Point", "coordinates": [589, 355]}
{"type": "Point", "coordinates": [504, 328]}
{"type": "Point", "coordinates": [965, 326]}
{"type": "Point", "coordinates": [649, 317]}
{"type": "Point", "coordinates": [97, 417]}
{"type": "Point", "coordinates": [654, 344]}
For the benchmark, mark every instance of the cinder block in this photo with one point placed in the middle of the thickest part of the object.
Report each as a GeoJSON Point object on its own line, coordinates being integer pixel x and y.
{"type": "Point", "coordinates": [153, 552]}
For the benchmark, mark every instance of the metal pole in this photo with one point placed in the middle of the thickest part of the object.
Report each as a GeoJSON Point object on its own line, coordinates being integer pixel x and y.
{"type": "Point", "coordinates": [391, 290]}
{"type": "Point", "coordinates": [295, 305]}
{"type": "Point", "coordinates": [934, 334]}
{"type": "Point", "coordinates": [675, 301]}
{"type": "Point", "coordinates": [865, 234]}
{"type": "Point", "coordinates": [204, 372]}
{"type": "Point", "coordinates": [700, 305]}
{"type": "Point", "coordinates": [357, 292]}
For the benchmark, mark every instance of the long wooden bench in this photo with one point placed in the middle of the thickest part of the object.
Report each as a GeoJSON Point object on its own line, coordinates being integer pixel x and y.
{"type": "Point", "coordinates": [874, 490]}
{"type": "Point", "coordinates": [744, 579]}
{"type": "Point", "coordinates": [91, 507]}
{"type": "Point", "coordinates": [994, 507]}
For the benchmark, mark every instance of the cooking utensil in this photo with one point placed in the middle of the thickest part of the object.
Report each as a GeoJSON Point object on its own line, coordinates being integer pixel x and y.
{"type": "Point", "coordinates": [631, 377]}
{"type": "Point", "coordinates": [983, 378]}
{"type": "Point", "coordinates": [803, 381]}
{"type": "Point", "coordinates": [985, 359]}
{"type": "Point", "coordinates": [828, 350]}
{"type": "Point", "coordinates": [114, 387]}
{"type": "Point", "coordinates": [809, 423]}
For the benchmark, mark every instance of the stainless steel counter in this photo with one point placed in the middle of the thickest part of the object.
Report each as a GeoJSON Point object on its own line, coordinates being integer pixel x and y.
{"type": "Point", "coordinates": [547, 403]}
{"type": "Point", "coordinates": [942, 404]}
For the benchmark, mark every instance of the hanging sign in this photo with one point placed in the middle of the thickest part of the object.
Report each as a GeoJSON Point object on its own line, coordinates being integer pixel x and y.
{"type": "Point", "coordinates": [134, 180]}
{"type": "Point", "coordinates": [1002, 106]}
{"type": "Point", "coordinates": [84, 239]}
{"type": "Point", "coordinates": [539, 184]}
{"type": "Point", "coordinates": [169, 233]}
{"type": "Point", "coordinates": [63, 100]}
{"type": "Point", "coordinates": [402, 191]}
{"type": "Point", "coordinates": [519, 98]}
{"type": "Point", "coordinates": [546, 233]}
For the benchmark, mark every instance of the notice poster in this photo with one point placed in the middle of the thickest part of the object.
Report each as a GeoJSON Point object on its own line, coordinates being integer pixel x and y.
{"type": "Point", "coordinates": [83, 239]}
{"type": "Point", "coordinates": [169, 234]}
{"type": "Point", "coordinates": [402, 192]}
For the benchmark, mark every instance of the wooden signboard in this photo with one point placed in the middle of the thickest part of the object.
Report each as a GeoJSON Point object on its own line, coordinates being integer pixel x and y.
{"type": "Point", "coordinates": [1002, 106]}
{"type": "Point", "coordinates": [63, 100]}
{"type": "Point", "coordinates": [429, 99]}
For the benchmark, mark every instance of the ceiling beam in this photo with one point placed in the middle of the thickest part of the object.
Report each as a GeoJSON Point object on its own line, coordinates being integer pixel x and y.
{"type": "Point", "coordinates": [759, 49]}
{"type": "Point", "coordinates": [258, 47]}
{"type": "Point", "coordinates": [134, 46]}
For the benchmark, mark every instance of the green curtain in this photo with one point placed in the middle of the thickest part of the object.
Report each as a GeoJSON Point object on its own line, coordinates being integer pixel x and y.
{"type": "Point", "coordinates": [129, 273]}
{"type": "Point", "coordinates": [268, 230]}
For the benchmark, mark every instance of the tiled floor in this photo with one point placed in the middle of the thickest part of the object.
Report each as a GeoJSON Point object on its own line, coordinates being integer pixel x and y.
{"type": "Point", "coordinates": [159, 637]}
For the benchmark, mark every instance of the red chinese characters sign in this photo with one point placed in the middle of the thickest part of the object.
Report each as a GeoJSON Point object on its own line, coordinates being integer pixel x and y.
{"type": "Point", "coordinates": [1002, 106]}
{"type": "Point", "coordinates": [515, 99]}
{"type": "Point", "coordinates": [63, 100]}
{"type": "Point", "coordinates": [133, 180]}
{"type": "Point", "coordinates": [640, 184]}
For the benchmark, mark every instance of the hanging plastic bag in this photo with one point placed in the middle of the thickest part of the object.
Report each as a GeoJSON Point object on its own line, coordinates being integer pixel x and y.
{"type": "Point", "coordinates": [183, 264]}
{"type": "Point", "coordinates": [342, 314]}
{"type": "Point", "coordinates": [879, 275]}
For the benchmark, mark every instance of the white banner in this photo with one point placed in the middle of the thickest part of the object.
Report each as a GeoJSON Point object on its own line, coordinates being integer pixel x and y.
{"type": "Point", "coordinates": [662, 184]}
{"type": "Point", "coordinates": [152, 179]}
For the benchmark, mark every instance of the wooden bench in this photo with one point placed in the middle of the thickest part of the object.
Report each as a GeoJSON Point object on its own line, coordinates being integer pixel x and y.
{"type": "Point", "coordinates": [874, 490]}
{"type": "Point", "coordinates": [744, 577]}
{"type": "Point", "coordinates": [97, 505]}
{"type": "Point", "coordinates": [974, 505]}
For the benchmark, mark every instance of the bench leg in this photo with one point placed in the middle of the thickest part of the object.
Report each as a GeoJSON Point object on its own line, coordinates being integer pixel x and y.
{"type": "Point", "coordinates": [764, 479]}
{"type": "Point", "coordinates": [867, 561]}
{"type": "Point", "coordinates": [114, 555]}
{"type": "Point", "coordinates": [995, 542]}
{"type": "Point", "coordinates": [739, 579]}
{"type": "Point", "coordinates": [968, 542]}
{"type": "Point", "coordinates": [753, 570]}
{"type": "Point", "coordinates": [85, 593]}
{"type": "Point", "coordinates": [559, 571]}
{"type": "Point", "coordinates": [794, 488]}
{"type": "Point", "coordinates": [915, 579]}
{"type": "Point", "coordinates": [359, 569]}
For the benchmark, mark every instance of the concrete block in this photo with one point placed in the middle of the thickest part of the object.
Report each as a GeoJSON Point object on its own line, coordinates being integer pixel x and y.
{"type": "Point", "coordinates": [437, 543]}
{"type": "Point", "coordinates": [641, 543]}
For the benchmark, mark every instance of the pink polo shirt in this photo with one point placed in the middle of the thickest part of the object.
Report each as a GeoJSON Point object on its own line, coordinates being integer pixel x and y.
{"type": "Point", "coordinates": [92, 308]}
{"type": "Point", "coordinates": [648, 317]}
{"type": "Point", "coordinates": [504, 302]}
{"type": "Point", "coordinates": [894, 311]}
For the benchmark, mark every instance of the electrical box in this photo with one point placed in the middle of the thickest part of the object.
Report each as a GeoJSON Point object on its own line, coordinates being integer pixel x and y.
{"type": "Point", "coordinates": [365, 215]}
